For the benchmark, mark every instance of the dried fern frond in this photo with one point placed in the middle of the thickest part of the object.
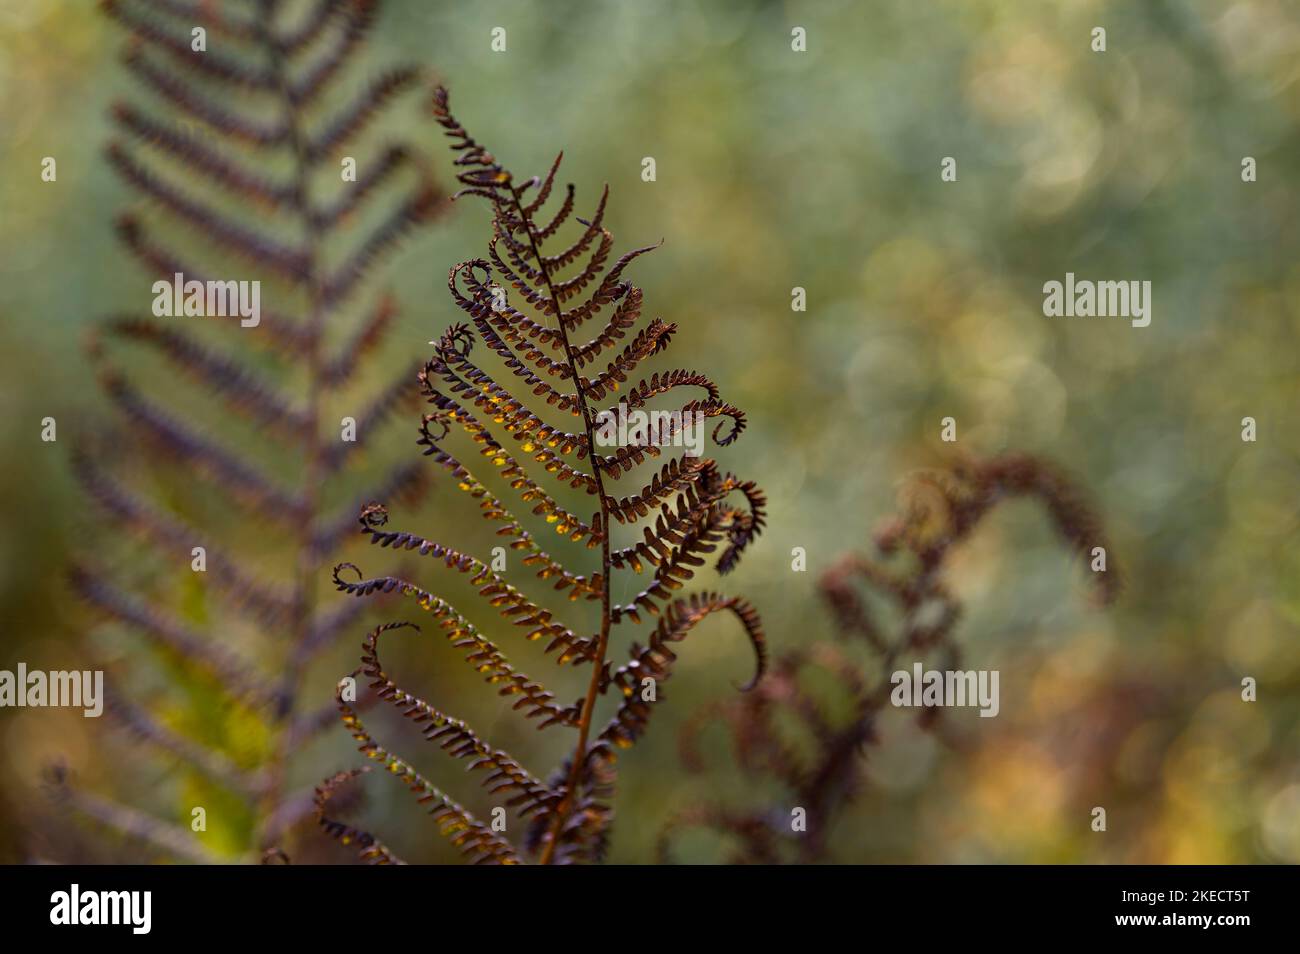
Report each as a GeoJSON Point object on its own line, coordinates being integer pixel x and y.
{"type": "Point", "coordinates": [940, 510]}
{"type": "Point", "coordinates": [238, 156]}
{"type": "Point", "coordinates": [689, 511]}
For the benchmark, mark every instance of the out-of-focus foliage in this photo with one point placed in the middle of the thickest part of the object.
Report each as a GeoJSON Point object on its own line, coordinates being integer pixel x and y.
{"type": "Point", "coordinates": [238, 145]}
{"type": "Point", "coordinates": [778, 169]}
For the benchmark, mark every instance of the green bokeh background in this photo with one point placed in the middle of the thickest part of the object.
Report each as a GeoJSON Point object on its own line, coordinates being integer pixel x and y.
{"type": "Point", "coordinates": [778, 169]}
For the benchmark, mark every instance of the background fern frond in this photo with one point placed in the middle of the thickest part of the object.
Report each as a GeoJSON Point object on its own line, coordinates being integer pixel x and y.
{"type": "Point", "coordinates": [236, 155]}
{"type": "Point", "coordinates": [941, 508]}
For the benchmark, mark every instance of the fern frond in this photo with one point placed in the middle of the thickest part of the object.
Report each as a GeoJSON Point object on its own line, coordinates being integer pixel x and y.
{"type": "Point", "coordinates": [211, 64]}
{"type": "Point", "coordinates": [315, 21]}
{"type": "Point", "coordinates": [565, 522]}
{"type": "Point", "coordinates": [339, 45]}
{"type": "Point", "coordinates": [941, 509]}
{"type": "Point", "coordinates": [623, 318]}
{"type": "Point", "coordinates": [369, 182]}
{"type": "Point", "coordinates": [757, 836]}
{"type": "Point", "coordinates": [492, 509]}
{"type": "Point", "coordinates": [569, 813]}
{"type": "Point", "coordinates": [212, 17]}
{"type": "Point", "coordinates": [421, 207]}
{"type": "Point", "coordinates": [405, 483]}
{"type": "Point", "coordinates": [230, 154]}
{"type": "Point", "coordinates": [339, 370]}
{"type": "Point", "coordinates": [522, 424]}
{"type": "Point", "coordinates": [656, 660]}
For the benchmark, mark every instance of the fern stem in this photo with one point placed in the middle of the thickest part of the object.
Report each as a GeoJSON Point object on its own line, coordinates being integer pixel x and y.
{"type": "Point", "coordinates": [602, 644]}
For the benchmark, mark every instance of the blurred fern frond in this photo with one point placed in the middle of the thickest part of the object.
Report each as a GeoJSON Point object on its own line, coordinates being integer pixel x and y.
{"type": "Point", "coordinates": [905, 580]}
{"type": "Point", "coordinates": [686, 513]}
{"type": "Point", "coordinates": [260, 161]}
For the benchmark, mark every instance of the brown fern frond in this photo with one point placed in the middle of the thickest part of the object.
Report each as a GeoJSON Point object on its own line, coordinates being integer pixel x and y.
{"type": "Point", "coordinates": [197, 105]}
{"type": "Point", "coordinates": [491, 508]}
{"type": "Point", "coordinates": [213, 17]}
{"type": "Point", "coordinates": [313, 24]}
{"type": "Point", "coordinates": [945, 507]}
{"type": "Point", "coordinates": [515, 329]}
{"type": "Point", "coordinates": [236, 155]}
{"type": "Point", "coordinates": [941, 509]}
{"type": "Point", "coordinates": [583, 838]}
{"type": "Point", "coordinates": [214, 65]}
{"type": "Point", "coordinates": [565, 522]}
{"type": "Point", "coordinates": [313, 79]}
{"type": "Point", "coordinates": [691, 500]}
{"type": "Point", "coordinates": [175, 842]}
{"type": "Point", "coordinates": [545, 442]}
{"type": "Point", "coordinates": [758, 836]}
{"type": "Point", "coordinates": [621, 320]}
{"type": "Point", "coordinates": [673, 478]}
{"type": "Point", "coordinates": [405, 483]}
{"type": "Point", "coordinates": [700, 510]}
{"type": "Point", "coordinates": [663, 383]}
{"type": "Point", "coordinates": [675, 566]}
{"type": "Point", "coordinates": [656, 660]}
{"type": "Point", "coordinates": [580, 245]}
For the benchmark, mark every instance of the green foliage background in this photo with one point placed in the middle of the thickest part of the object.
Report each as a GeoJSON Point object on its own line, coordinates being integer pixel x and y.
{"type": "Point", "coordinates": [821, 170]}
